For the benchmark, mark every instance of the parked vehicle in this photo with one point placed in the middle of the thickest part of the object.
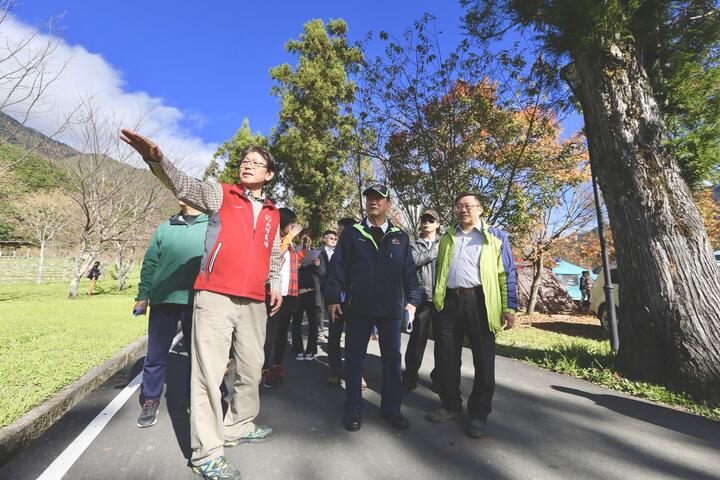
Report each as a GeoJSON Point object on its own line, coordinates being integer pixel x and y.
{"type": "Point", "coordinates": [598, 305]}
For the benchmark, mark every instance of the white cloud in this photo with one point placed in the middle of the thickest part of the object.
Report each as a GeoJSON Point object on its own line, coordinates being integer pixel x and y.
{"type": "Point", "coordinates": [89, 75]}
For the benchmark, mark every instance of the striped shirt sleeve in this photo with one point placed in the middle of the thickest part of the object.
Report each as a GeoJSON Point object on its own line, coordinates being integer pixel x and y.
{"type": "Point", "coordinates": [204, 196]}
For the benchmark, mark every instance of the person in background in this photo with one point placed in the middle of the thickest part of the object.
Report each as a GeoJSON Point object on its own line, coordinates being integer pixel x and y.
{"type": "Point", "coordinates": [335, 330]}
{"type": "Point", "coordinates": [93, 275]}
{"type": "Point", "coordinates": [309, 302]}
{"type": "Point", "coordinates": [475, 296]}
{"type": "Point", "coordinates": [277, 327]}
{"type": "Point", "coordinates": [328, 248]}
{"type": "Point", "coordinates": [424, 252]}
{"type": "Point", "coordinates": [373, 265]}
{"type": "Point", "coordinates": [585, 288]}
{"type": "Point", "coordinates": [167, 275]}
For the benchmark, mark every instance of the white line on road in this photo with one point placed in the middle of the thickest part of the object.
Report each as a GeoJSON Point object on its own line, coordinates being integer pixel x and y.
{"type": "Point", "coordinates": [59, 467]}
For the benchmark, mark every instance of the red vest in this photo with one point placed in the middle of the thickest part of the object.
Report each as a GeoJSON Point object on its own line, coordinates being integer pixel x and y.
{"type": "Point", "coordinates": [236, 260]}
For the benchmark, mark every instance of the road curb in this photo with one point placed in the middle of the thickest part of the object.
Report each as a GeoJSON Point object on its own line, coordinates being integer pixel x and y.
{"type": "Point", "coordinates": [15, 436]}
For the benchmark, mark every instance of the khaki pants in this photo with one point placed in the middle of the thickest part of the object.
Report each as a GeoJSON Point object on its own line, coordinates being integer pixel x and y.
{"type": "Point", "coordinates": [219, 320]}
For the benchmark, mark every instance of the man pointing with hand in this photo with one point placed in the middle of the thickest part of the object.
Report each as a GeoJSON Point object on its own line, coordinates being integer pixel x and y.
{"type": "Point", "coordinates": [241, 256]}
{"type": "Point", "coordinates": [374, 267]}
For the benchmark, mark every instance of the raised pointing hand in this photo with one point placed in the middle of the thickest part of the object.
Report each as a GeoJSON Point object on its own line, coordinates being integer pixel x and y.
{"type": "Point", "coordinates": [147, 149]}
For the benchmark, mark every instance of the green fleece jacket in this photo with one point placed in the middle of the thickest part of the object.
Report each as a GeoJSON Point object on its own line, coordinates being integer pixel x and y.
{"type": "Point", "coordinates": [172, 261]}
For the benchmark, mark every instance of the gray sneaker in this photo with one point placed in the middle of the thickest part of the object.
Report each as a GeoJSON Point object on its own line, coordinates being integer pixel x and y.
{"type": "Point", "coordinates": [217, 469]}
{"type": "Point", "coordinates": [259, 434]}
{"type": "Point", "coordinates": [476, 428]}
{"type": "Point", "coordinates": [148, 416]}
{"type": "Point", "coordinates": [442, 415]}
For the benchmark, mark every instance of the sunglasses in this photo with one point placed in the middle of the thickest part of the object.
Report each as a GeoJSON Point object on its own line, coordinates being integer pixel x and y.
{"type": "Point", "coordinates": [427, 219]}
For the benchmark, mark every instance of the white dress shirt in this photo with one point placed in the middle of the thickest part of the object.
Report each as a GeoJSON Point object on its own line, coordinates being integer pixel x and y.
{"type": "Point", "coordinates": [329, 252]}
{"type": "Point", "coordinates": [465, 264]}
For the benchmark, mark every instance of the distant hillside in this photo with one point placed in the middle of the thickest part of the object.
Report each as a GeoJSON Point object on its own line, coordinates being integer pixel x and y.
{"type": "Point", "coordinates": [13, 133]}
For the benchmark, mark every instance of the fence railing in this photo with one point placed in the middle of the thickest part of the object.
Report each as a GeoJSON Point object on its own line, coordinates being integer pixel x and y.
{"type": "Point", "coordinates": [20, 269]}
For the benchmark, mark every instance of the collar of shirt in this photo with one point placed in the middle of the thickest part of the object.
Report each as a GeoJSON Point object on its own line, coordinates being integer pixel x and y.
{"type": "Point", "coordinates": [477, 228]}
{"type": "Point", "coordinates": [249, 194]}
{"type": "Point", "coordinates": [329, 250]}
{"type": "Point", "coordinates": [383, 227]}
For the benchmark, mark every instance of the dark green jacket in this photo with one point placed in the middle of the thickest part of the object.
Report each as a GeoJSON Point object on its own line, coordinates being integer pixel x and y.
{"type": "Point", "coordinates": [172, 261]}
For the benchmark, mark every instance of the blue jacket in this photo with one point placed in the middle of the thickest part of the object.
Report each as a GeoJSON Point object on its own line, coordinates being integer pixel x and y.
{"type": "Point", "coordinates": [378, 280]}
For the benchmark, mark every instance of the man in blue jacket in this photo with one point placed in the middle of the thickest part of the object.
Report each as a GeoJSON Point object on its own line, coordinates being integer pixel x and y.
{"type": "Point", "coordinates": [374, 266]}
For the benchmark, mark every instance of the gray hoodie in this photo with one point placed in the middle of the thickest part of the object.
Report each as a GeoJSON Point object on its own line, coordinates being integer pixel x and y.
{"type": "Point", "coordinates": [425, 258]}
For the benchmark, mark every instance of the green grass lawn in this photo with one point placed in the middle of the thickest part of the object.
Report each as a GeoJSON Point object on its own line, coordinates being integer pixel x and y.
{"type": "Point", "coordinates": [588, 359]}
{"type": "Point", "coordinates": [48, 341]}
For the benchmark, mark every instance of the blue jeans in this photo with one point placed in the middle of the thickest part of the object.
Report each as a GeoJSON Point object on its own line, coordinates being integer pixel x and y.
{"type": "Point", "coordinates": [162, 328]}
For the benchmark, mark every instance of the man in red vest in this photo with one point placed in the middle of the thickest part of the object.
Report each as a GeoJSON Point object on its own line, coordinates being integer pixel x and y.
{"type": "Point", "coordinates": [241, 256]}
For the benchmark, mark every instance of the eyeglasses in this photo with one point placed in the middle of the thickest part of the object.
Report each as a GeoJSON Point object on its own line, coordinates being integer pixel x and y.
{"type": "Point", "coordinates": [252, 164]}
{"type": "Point", "coordinates": [462, 207]}
{"type": "Point", "coordinates": [427, 219]}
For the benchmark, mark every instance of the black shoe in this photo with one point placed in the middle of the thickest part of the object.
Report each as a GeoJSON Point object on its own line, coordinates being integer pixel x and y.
{"type": "Point", "coordinates": [435, 388]}
{"type": "Point", "coordinates": [397, 421]}
{"type": "Point", "coordinates": [352, 422]}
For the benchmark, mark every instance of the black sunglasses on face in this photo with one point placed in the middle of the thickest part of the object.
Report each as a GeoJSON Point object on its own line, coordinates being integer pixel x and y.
{"type": "Point", "coordinates": [427, 219]}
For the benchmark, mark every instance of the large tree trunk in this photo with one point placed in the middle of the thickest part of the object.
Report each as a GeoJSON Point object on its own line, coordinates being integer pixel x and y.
{"type": "Point", "coordinates": [538, 265]}
{"type": "Point", "coordinates": [669, 317]}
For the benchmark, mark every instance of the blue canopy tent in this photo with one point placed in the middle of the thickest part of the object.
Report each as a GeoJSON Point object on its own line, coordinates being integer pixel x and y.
{"type": "Point", "coordinates": [569, 276]}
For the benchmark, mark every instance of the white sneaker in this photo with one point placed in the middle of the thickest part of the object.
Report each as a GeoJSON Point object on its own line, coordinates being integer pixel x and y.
{"type": "Point", "coordinates": [309, 356]}
{"type": "Point", "coordinates": [300, 356]}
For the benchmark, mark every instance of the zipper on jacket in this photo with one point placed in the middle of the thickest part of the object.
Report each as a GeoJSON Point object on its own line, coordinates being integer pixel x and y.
{"type": "Point", "coordinates": [212, 259]}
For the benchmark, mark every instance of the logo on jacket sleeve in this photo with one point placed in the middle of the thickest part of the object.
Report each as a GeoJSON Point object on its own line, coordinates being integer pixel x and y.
{"type": "Point", "coordinates": [396, 241]}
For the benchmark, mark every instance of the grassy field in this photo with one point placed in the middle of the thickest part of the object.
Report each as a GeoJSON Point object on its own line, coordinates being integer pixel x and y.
{"type": "Point", "coordinates": [584, 353]}
{"type": "Point", "coordinates": [48, 341]}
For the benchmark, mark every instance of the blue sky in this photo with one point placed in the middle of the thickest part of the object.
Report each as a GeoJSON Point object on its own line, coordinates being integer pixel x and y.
{"type": "Point", "coordinates": [211, 60]}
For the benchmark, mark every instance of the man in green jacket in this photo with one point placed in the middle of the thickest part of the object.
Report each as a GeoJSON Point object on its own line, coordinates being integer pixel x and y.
{"type": "Point", "coordinates": [475, 296]}
{"type": "Point", "coordinates": [169, 269]}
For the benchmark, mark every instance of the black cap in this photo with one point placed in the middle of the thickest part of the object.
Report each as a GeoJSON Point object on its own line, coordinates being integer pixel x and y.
{"type": "Point", "coordinates": [379, 188]}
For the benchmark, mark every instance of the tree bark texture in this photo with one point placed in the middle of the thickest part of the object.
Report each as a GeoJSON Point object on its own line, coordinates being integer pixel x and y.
{"type": "Point", "coordinates": [535, 287]}
{"type": "Point", "coordinates": [669, 316]}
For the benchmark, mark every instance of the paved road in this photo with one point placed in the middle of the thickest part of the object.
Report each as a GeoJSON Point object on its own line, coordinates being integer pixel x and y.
{"type": "Point", "coordinates": [545, 426]}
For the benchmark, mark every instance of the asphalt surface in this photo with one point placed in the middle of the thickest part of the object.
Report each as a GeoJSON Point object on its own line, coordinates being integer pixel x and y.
{"type": "Point", "coordinates": [544, 426]}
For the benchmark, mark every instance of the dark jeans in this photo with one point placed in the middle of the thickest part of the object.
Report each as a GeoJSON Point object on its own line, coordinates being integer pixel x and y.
{"type": "Point", "coordinates": [357, 336]}
{"type": "Point", "coordinates": [465, 315]}
{"type": "Point", "coordinates": [418, 341]}
{"type": "Point", "coordinates": [276, 334]}
{"type": "Point", "coordinates": [306, 304]}
{"type": "Point", "coordinates": [333, 343]}
{"type": "Point", "coordinates": [162, 327]}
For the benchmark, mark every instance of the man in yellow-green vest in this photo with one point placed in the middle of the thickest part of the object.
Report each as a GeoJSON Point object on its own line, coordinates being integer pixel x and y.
{"type": "Point", "coordinates": [475, 296]}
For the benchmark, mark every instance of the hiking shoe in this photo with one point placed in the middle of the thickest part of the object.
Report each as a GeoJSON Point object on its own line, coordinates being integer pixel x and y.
{"type": "Point", "coordinates": [258, 434]}
{"type": "Point", "coordinates": [217, 469]}
{"type": "Point", "coordinates": [300, 356]}
{"type": "Point", "coordinates": [476, 428]}
{"type": "Point", "coordinates": [278, 373]}
{"type": "Point", "coordinates": [309, 356]}
{"type": "Point", "coordinates": [409, 386]}
{"type": "Point", "coordinates": [334, 378]}
{"type": "Point", "coordinates": [268, 379]}
{"type": "Point", "coordinates": [442, 415]}
{"type": "Point", "coordinates": [148, 416]}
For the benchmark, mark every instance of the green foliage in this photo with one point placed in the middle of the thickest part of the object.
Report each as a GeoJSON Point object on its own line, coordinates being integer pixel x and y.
{"type": "Point", "coordinates": [313, 139]}
{"type": "Point", "coordinates": [230, 153]}
{"type": "Point", "coordinates": [444, 127]}
{"type": "Point", "coordinates": [48, 341]}
{"type": "Point", "coordinates": [677, 42]}
{"type": "Point", "coordinates": [591, 360]}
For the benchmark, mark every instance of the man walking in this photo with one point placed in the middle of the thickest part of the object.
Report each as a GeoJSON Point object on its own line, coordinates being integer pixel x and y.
{"type": "Point", "coordinates": [171, 263]}
{"type": "Point", "coordinates": [424, 252]}
{"type": "Point", "coordinates": [242, 255]}
{"type": "Point", "coordinates": [373, 265]}
{"type": "Point", "coordinates": [475, 295]}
